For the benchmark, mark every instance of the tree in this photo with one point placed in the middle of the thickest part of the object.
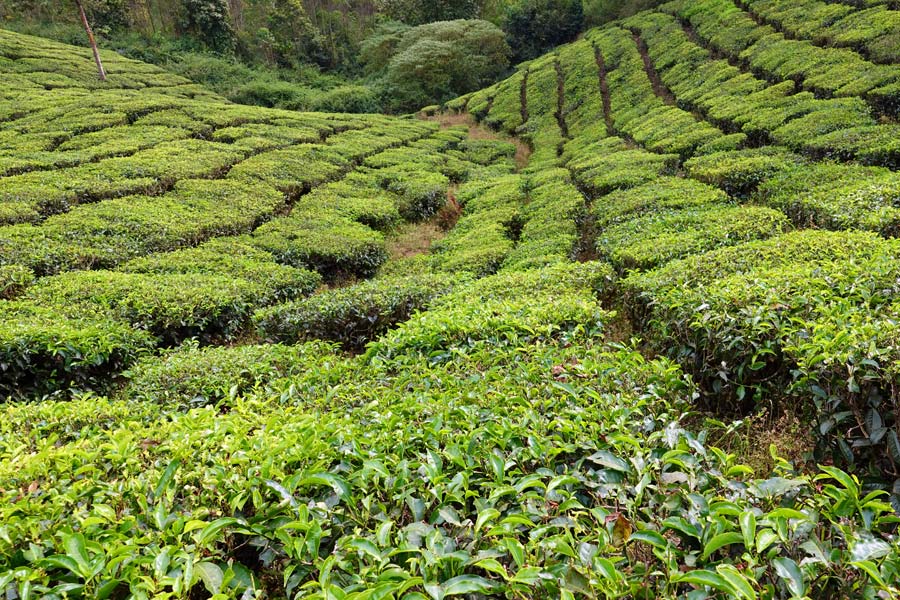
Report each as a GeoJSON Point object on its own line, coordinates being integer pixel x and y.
{"type": "Point", "coordinates": [419, 12]}
{"type": "Point", "coordinates": [436, 62]}
{"type": "Point", "coordinates": [535, 26]}
{"type": "Point", "coordinates": [90, 34]}
{"type": "Point", "coordinates": [210, 22]}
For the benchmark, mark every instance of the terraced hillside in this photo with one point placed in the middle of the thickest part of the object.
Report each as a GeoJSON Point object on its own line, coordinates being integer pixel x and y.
{"type": "Point", "coordinates": [231, 371]}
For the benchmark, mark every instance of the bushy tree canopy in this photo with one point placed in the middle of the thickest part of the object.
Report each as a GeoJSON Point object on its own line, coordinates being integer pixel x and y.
{"type": "Point", "coordinates": [535, 26]}
{"type": "Point", "coordinates": [435, 62]}
{"type": "Point", "coordinates": [418, 12]}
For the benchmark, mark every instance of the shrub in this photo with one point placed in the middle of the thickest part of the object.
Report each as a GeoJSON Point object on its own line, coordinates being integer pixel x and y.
{"type": "Point", "coordinates": [664, 193]}
{"type": "Point", "coordinates": [740, 172]}
{"type": "Point", "coordinates": [730, 311]}
{"type": "Point", "coordinates": [294, 170]}
{"type": "Point", "coordinates": [325, 242]}
{"type": "Point", "coordinates": [652, 239]}
{"type": "Point", "coordinates": [190, 376]}
{"type": "Point", "coordinates": [433, 63]}
{"type": "Point", "coordinates": [835, 196]}
{"type": "Point", "coordinates": [108, 233]}
{"type": "Point", "coordinates": [45, 350]}
{"type": "Point", "coordinates": [13, 280]}
{"type": "Point", "coordinates": [232, 257]}
{"type": "Point", "coordinates": [354, 315]}
{"type": "Point", "coordinates": [172, 307]}
{"type": "Point", "coordinates": [420, 193]}
{"type": "Point", "coordinates": [509, 310]}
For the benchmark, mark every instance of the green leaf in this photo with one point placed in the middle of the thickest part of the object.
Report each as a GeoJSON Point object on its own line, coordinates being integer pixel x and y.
{"type": "Point", "coordinates": [720, 541]}
{"type": "Point", "coordinates": [485, 516]}
{"type": "Point", "coordinates": [166, 479]}
{"type": "Point", "coordinates": [871, 570]}
{"type": "Point", "coordinates": [492, 565]}
{"type": "Point", "coordinates": [748, 528]}
{"type": "Point", "coordinates": [650, 537]}
{"type": "Point", "coordinates": [843, 478]}
{"type": "Point", "coordinates": [704, 578]}
{"type": "Point", "coordinates": [788, 570]}
{"type": "Point", "coordinates": [209, 533]}
{"type": "Point", "coordinates": [211, 576]}
{"type": "Point", "coordinates": [338, 485]}
{"type": "Point", "coordinates": [738, 581]}
{"type": "Point", "coordinates": [467, 584]}
{"type": "Point", "coordinates": [764, 539]}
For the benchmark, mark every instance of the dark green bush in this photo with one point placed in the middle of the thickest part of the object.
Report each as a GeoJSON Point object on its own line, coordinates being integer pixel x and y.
{"type": "Point", "coordinates": [13, 280]}
{"type": "Point", "coordinates": [190, 376]}
{"type": "Point", "coordinates": [326, 242]}
{"type": "Point", "coordinates": [535, 26]}
{"type": "Point", "coordinates": [809, 312]}
{"type": "Point", "coordinates": [48, 349]}
{"type": "Point", "coordinates": [354, 315]}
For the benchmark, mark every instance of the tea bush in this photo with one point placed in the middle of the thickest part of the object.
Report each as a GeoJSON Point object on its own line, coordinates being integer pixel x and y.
{"type": "Point", "coordinates": [190, 376]}
{"type": "Point", "coordinates": [47, 349]}
{"type": "Point", "coordinates": [655, 238]}
{"type": "Point", "coordinates": [353, 315]}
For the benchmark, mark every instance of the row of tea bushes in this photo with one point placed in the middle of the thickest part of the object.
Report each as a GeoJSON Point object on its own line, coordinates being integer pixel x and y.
{"type": "Point", "coordinates": [765, 112]}
{"type": "Point", "coordinates": [670, 217]}
{"type": "Point", "coordinates": [873, 31]}
{"type": "Point", "coordinates": [549, 221]}
{"type": "Point", "coordinates": [49, 64]}
{"type": "Point", "coordinates": [637, 110]}
{"type": "Point", "coordinates": [516, 403]}
{"type": "Point", "coordinates": [104, 234]}
{"type": "Point", "coordinates": [837, 196]}
{"type": "Point", "coordinates": [810, 312]}
{"type": "Point", "coordinates": [833, 71]}
{"type": "Point", "coordinates": [606, 164]}
{"type": "Point", "coordinates": [353, 315]}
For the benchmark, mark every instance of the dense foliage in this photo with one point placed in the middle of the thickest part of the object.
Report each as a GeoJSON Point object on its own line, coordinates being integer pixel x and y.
{"type": "Point", "coordinates": [647, 349]}
{"type": "Point", "coordinates": [433, 63]}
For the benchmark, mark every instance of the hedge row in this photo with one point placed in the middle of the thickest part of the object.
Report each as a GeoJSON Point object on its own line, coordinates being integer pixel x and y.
{"type": "Point", "coordinates": [353, 315]}
{"type": "Point", "coordinates": [550, 217]}
{"type": "Point", "coordinates": [486, 234]}
{"type": "Point", "coordinates": [764, 112]}
{"type": "Point", "coordinates": [873, 31]}
{"type": "Point", "coordinates": [191, 376]}
{"type": "Point", "coordinates": [610, 163]}
{"type": "Point", "coordinates": [834, 71]}
{"type": "Point", "coordinates": [637, 110]}
{"type": "Point", "coordinates": [104, 234]}
{"type": "Point", "coordinates": [835, 196]}
{"type": "Point", "coordinates": [656, 238]}
{"type": "Point", "coordinates": [813, 313]}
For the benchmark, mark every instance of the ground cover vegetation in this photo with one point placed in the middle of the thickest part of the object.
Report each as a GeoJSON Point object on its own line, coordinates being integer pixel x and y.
{"type": "Point", "coordinates": [227, 373]}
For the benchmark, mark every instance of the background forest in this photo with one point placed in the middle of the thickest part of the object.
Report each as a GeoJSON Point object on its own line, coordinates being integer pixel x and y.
{"type": "Point", "coordinates": [329, 55]}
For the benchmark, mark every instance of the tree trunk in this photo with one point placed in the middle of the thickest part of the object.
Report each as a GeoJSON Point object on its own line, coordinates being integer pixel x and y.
{"type": "Point", "coordinates": [87, 27]}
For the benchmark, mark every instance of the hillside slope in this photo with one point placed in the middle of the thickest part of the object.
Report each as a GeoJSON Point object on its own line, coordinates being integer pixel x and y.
{"type": "Point", "coordinates": [292, 408]}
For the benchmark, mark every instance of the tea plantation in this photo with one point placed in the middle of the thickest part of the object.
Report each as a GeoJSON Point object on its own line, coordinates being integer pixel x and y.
{"type": "Point", "coordinates": [223, 375]}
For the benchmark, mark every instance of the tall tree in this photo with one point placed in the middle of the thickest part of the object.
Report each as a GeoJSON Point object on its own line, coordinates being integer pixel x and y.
{"type": "Point", "coordinates": [90, 33]}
